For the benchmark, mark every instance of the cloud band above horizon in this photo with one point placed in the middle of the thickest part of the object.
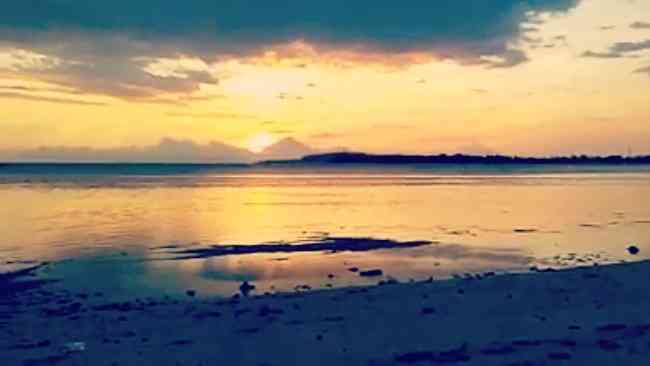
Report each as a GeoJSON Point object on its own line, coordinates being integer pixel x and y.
{"type": "Point", "coordinates": [106, 47]}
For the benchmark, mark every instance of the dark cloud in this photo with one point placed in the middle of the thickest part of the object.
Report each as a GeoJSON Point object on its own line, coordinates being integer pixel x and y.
{"type": "Point", "coordinates": [107, 39]}
{"type": "Point", "coordinates": [254, 23]}
{"type": "Point", "coordinates": [123, 77]}
{"type": "Point", "coordinates": [620, 49]}
{"type": "Point", "coordinates": [110, 64]}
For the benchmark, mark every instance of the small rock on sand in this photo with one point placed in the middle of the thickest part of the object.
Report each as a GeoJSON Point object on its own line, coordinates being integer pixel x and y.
{"type": "Point", "coordinates": [608, 345]}
{"type": "Point", "coordinates": [428, 311]}
{"type": "Point", "coordinates": [559, 356]}
{"type": "Point", "coordinates": [246, 288]}
{"type": "Point", "coordinates": [371, 273]}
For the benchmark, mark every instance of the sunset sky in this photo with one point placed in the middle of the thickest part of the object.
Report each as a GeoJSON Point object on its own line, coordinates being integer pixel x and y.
{"type": "Point", "coordinates": [527, 77]}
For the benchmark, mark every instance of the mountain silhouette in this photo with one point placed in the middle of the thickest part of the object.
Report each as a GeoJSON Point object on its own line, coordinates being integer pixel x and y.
{"type": "Point", "coordinates": [287, 148]}
{"type": "Point", "coordinates": [168, 150]}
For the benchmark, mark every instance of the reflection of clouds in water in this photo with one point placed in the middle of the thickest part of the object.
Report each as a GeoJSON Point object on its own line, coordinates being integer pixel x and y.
{"type": "Point", "coordinates": [440, 259]}
{"type": "Point", "coordinates": [116, 276]}
{"type": "Point", "coordinates": [219, 269]}
{"type": "Point", "coordinates": [459, 252]}
{"type": "Point", "coordinates": [83, 222]}
{"type": "Point", "coordinates": [139, 273]}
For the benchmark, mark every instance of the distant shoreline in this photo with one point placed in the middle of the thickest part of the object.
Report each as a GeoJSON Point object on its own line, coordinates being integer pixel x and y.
{"type": "Point", "coordinates": [294, 168]}
{"type": "Point", "coordinates": [461, 159]}
{"type": "Point", "coordinates": [348, 158]}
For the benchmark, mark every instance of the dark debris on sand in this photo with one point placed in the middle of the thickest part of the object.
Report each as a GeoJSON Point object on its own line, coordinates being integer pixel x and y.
{"type": "Point", "coordinates": [246, 288]}
{"type": "Point", "coordinates": [15, 282]}
{"type": "Point", "coordinates": [327, 244]}
{"type": "Point", "coordinates": [371, 273]}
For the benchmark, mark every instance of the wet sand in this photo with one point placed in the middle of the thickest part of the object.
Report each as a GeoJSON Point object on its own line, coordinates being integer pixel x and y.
{"type": "Point", "coordinates": [597, 315]}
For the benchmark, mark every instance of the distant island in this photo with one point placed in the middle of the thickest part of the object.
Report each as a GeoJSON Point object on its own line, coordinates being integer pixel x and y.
{"type": "Point", "coordinates": [340, 158]}
{"type": "Point", "coordinates": [459, 159]}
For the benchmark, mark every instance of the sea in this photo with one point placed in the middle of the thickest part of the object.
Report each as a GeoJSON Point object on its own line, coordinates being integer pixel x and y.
{"type": "Point", "coordinates": [124, 230]}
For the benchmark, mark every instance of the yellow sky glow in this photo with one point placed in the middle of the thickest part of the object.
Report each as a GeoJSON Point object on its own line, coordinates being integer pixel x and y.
{"type": "Point", "coordinates": [556, 103]}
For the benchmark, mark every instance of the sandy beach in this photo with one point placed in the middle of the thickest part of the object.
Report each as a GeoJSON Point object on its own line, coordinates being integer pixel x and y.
{"type": "Point", "coordinates": [594, 315]}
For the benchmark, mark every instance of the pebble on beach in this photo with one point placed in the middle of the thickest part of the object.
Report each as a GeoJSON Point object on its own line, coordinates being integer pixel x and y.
{"type": "Point", "coordinates": [371, 273]}
{"type": "Point", "coordinates": [246, 288]}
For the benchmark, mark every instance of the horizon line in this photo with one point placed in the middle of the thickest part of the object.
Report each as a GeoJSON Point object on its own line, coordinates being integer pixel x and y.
{"type": "Point", "coordinates": [312, 159]}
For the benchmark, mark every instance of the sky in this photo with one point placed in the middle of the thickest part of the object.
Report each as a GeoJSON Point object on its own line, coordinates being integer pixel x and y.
{"type": "Point", "coordinates": [225, 80]}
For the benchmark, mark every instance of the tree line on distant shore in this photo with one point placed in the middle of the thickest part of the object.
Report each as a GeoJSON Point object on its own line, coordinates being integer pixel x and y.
{"type": "Point", "coordinates": [362, 158]}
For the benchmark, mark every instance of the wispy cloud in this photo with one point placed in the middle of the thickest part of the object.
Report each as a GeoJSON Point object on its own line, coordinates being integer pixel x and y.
{"type": "Point", "coordinates": [620, 49]}
{"type": "Point", "coordinates": [17, 59]}
{"type": "Point", "coordinates": [325, 136]}
{"type": "Point", "coordinates": [640, 25]}
{"type": "Point", "coordinates": [508, 58]}
{"type": "Point", "coordinates": [282, 132]}
{"type": "Point", "coordinates": [593, 54]}
{"type": "Point", "coordinates": [39, 98]}
{"type": "Point", "coordinates": [398, 126]}
{"type": "Point", "coordinates": [211, 115]}
{"type": "Point", "coordinates": [37, 89]}
{"type": "Point", "coordinates": [643, 70]}
{"type": "Point", "coordinates": [625, 47]}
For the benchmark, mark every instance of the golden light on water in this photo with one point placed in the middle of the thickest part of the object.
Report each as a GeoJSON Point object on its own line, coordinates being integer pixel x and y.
{"type": "Point", "coordinates": [474, 221]}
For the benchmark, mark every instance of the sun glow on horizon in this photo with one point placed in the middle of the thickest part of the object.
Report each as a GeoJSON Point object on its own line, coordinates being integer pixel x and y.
{"type": "Point", "coordinates": [574, 82]}
{"type": "Point", "coordinates": [260, 142]}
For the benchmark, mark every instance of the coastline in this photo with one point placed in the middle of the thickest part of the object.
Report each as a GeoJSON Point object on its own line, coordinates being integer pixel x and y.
{"type": "Point", "coordinates": [589, 315]}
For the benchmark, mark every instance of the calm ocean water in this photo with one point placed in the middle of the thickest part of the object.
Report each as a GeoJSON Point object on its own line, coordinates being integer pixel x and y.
{"type": "Point", "coordinates": [114, 228]}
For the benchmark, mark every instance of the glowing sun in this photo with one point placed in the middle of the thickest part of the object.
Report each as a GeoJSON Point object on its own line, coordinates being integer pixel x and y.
{"type": "Point", "coordinates": [260, 142]}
